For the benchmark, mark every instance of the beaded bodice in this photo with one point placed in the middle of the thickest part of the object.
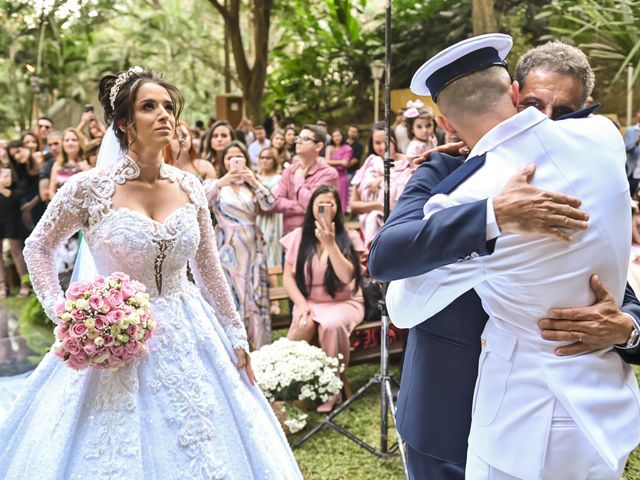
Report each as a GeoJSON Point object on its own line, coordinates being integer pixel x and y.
{"type": "Point", "coordinates": [126, 240]}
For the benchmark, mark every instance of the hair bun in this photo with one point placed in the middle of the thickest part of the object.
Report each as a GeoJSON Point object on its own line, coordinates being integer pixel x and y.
{"type": "Point", "coordinates": [104, 89]}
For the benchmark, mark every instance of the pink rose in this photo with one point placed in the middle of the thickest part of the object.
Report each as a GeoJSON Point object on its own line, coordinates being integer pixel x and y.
{"type": "Point", "coordinates": [123, 277]}
{"type": "Point", "coordinates": [90, 348]}
{"type": "Point", "coordinates": [101, 322]}
{"type": "Point", "coordinates": [128, 357]}
{"type": "Point", "coordinates": [117, 351]}
{"type": "Point", "coordinates": [146, 335]}
{"type": "Point", "coordinates": [96, 302]}
{"type": "Point", "coordinates": [60, 308]}
{"type": "Point", "coordinates": [71, 345]}
{"type": "Point", "coordinates": [139, 287]}
{"type": "Point", "coordinates": [133, 346]}
{"type": "Point", "coordinates": [114, 316]}
{"type": "Point", "coordinates": [77, 290]}
{"type": "Point", "coordinates": [114, 298]}
{"type": "Point", "coordinates": [61, 332]}
{"type": "Point", "coordinates": [128, 291]}
{"type": "Point", "coordinates": [61, 353]}
{"type": "Point", "coordinates": [99, 282]}
{"type": "Point", "coordinates": [78, 315]}
{"type": "Point", "coordinates": [108, 340]}
{"type": "Point", "coordinates": [81, 359]}
{"type": "Point", "coordinates": [132, 330]}
{"type": "Point", "coordinates": [101, 355]}
{"type": "Point", "coordinates": [78, 330]}
{"type": "Point", "coordinates": [128, 309]}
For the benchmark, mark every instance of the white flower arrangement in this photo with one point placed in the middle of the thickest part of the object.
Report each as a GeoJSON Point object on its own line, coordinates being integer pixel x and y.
{"type": "Point", "coordinates": [294, 370]}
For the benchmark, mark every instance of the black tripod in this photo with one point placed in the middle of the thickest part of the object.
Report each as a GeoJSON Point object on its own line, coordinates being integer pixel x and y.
{"type": "Point", "coordinates": [383, 377]}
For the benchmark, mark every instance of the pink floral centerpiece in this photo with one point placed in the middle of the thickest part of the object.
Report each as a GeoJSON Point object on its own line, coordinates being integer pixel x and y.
{"type": "Point", "coordinates": [103, 323]}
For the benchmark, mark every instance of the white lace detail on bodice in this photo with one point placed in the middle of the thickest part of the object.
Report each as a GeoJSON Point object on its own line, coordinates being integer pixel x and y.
{"type": "Point", "coordinates": [151, 252]}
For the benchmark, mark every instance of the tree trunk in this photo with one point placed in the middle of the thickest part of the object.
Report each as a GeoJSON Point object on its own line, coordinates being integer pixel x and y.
{"type": "Point", "coordinates": [483, 16]}
{"type": "Point", "coordinates": [251, 78]}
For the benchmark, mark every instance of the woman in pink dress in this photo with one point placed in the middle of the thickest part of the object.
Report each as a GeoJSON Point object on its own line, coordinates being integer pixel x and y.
{"type": "Point", "coordinates": [322, 277]}
{"type": "Point", "coordinates": [339, 155]}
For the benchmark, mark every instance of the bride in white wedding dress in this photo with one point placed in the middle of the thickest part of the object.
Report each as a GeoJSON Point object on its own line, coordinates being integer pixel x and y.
{"type": "Point", "coordinates": [187, 410]}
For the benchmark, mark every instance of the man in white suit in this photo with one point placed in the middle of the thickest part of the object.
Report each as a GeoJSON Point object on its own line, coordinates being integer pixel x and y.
{"type": "Point", "coordinates": [535, 415]}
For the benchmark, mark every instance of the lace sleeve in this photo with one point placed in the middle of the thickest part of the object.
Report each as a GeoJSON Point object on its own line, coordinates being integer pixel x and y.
{"type": "Point", "coordinates": [65, 215]}
{"type": "Point", "coordinates": [209, 277]}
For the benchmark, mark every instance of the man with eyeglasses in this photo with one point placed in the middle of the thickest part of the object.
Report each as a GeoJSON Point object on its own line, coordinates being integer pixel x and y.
{"type": "Point", "coordinates": [43, 128]}
{"type": "Point", "coordinates": [301, 179]}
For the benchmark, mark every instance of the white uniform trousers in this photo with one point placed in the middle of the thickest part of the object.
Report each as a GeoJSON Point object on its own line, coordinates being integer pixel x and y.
{"type": "Point", "coordinates": [569, 456]}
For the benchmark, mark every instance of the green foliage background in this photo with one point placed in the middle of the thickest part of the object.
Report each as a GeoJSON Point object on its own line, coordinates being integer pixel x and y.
{"type": "Point", "coordinates": [319, 50]}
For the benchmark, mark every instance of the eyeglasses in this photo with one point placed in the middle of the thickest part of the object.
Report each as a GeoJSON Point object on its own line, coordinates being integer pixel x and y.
{"type": "Point", "coordinates": [305, 139]}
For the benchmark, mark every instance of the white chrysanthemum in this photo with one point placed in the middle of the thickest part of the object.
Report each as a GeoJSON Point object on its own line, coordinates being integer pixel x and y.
{"type": "Point", "coordinates": [288, 370]}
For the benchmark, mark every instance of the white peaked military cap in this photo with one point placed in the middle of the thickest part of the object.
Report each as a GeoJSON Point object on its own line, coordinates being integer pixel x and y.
{"type": "Point", "coordinates": [461, 59]}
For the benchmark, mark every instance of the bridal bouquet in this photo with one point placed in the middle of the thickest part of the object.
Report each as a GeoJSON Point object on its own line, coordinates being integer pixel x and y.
{"type": "Point", "coordinates": [104, 323]}
{"type": "Point", "coordinates": [295, 370]}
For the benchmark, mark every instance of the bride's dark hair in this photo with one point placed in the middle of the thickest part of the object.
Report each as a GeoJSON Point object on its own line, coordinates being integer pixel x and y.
{"type": "Point", "coordinates": [123, 108]}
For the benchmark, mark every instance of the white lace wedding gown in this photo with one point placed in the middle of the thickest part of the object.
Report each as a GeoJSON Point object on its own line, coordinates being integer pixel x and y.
{"type": "Point", "coordinates": [183, 411]}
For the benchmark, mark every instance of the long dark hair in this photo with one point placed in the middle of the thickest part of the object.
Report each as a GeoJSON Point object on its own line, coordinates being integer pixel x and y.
{"type": "Point", "coordinates": [20, 172]}
{"type": "Point", "coordinates": [308, 245]}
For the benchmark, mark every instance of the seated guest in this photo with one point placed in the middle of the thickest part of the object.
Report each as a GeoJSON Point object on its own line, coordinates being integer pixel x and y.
{"type": "Point", "coordinates": [235, 200]}
{"type": "Point", "coordinates": [322, 274]}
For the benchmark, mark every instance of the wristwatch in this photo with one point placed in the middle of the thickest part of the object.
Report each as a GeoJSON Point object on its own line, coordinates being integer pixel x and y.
{"type": "Point", "coordinates": [632, 341]}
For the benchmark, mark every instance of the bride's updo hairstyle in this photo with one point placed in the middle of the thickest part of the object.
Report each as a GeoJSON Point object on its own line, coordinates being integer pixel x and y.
{"type": "Point", "coordinates": [117, 94]}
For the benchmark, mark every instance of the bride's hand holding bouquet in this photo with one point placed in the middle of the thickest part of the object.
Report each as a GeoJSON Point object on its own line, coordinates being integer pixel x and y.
{"type": "Point", "coordinates": [103, 323]}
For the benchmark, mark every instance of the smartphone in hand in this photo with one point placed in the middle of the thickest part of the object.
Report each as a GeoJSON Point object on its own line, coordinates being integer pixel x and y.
{"type": "Point", "coordinates": [324, 210]}
{"type": "Point", "coordinates": [237, 164]}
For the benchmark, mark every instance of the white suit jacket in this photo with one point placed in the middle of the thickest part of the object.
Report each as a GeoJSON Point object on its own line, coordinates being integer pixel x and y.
{"type": "Point", "coordinates": [519, 376]}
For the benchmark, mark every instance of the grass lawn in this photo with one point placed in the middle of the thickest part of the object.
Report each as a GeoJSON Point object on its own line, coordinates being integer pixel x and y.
{"type": "Point", "coordinates": [330, 456]}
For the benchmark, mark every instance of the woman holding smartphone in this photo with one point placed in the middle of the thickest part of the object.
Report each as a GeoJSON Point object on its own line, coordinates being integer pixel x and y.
{"type": "Point", "coordinates": [235, 199]}
{"type": "Point", "coordinates": [322, 274]}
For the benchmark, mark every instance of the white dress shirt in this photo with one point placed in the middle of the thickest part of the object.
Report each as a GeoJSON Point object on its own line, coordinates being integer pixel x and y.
{"type": "Point", "coordinates": [520, 377]}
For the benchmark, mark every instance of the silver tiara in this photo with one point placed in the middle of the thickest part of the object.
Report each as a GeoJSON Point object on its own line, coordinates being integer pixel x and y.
{"type": "Point", "coordinates": [122, 78]}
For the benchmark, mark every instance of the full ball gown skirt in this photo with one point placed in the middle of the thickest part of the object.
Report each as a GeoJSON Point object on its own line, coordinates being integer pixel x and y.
{"type": "Point", "coordinates": [183, 411]}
